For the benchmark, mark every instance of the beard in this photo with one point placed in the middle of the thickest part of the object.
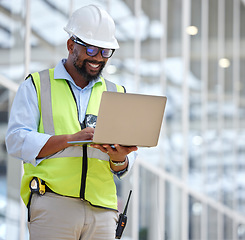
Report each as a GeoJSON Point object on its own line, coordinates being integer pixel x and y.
{"type": "Point", "coordinates": [81, 68]}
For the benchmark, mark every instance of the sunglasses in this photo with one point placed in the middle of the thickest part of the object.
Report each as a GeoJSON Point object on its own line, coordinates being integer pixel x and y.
{"type": "Point", "coordinates": [93, 51]}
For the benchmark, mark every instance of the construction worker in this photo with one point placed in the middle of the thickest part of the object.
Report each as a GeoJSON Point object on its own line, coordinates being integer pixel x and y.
{"type": "Point", "coordinates": [69, 190]}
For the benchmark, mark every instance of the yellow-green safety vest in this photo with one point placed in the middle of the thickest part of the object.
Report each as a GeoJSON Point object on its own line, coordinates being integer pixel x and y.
{"type": "Point", "coordinates": [81, 172]}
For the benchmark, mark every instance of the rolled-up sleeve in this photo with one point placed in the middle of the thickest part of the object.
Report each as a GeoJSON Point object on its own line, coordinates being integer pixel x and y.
{"type": "Point", "coordinates": [22, 139]}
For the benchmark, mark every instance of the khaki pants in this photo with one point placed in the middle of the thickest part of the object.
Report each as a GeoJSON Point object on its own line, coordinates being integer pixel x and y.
{"type": "Point", "coordinates": [57, 217]}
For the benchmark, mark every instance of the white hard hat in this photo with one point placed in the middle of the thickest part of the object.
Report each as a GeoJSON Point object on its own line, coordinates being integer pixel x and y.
{"type": "Point", "coordinates": [94, 26]}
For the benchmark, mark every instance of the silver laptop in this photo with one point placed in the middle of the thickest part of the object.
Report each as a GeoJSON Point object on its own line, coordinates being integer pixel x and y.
{"type": "Point", "coordinates": [128, 119]}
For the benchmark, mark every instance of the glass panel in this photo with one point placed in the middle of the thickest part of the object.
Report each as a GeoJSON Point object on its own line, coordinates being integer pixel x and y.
{"type": "Point", "coordinates": [120, 68]}
{"type": "Point", "coordinates": [11, 72]}
{"type": "Point", "coordinates": [212, 138]}
{"type": "Point", "coordinates": [195, 219]}
{"type": "Point", "coordinates": [149, 206]}
{"type": "Point", "coordinates": [195, 136]}
{"type": "Point", "coordinates": [227, 228]}
{"type": "Point", "coordinates": [212, 224]}
{"type": "Point", "coordinates": [227, 110]}
{"type": "Point", "coordinates": [241, 232]}
{"type": "Point", "coordinates": [241, 127]}
{"type": "Point", "coordinates": [173, 212]}
{"type": "Point", "coordinates": [173, 69]}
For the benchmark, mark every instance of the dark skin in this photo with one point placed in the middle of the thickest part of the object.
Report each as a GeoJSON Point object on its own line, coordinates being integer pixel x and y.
{"type": "Point", "coordinates": [77, 54]}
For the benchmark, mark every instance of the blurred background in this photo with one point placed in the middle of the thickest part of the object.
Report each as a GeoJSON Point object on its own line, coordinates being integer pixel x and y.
{"type": "Point", "coordinates": [192, 185]}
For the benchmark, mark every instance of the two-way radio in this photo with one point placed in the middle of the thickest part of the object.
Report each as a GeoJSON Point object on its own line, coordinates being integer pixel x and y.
{"type": "Point", "coordinates": [121, 224]}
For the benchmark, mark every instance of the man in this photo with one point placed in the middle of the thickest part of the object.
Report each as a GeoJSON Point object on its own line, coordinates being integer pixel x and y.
{"type": "Point", "coordinates": [73, 194]}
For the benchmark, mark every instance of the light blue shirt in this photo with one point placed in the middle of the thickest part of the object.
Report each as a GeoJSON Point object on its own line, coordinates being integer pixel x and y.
{"type": "Point", "coordinates": [22, 139]}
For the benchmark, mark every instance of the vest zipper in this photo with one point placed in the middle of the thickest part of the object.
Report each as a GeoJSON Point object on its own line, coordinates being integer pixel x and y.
{"type": "Point", "coordinates": [84, 172]}
{"type": "Point", "coordinates": [85, 155]}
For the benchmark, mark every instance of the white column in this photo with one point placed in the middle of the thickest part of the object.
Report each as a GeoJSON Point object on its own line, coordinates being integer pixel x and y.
{"type": "Point", "coordinates": [204, 96]}
{"type": "Point", "coordinates": [137, 49]}
{"type": "Point", "coordinates": [163, 80]}
{"type": "Point", "coordinates": [71, 9]}
{"type": "Point", "coordinates": [161, 209]}
{"type": "Point", "coordinates": [186, 14]}
{"type": "Point", "coordinates": [27, 67]}
{"type": "Point", "coordinates": [135, 198]}
{"type": "Point", "coordinates": [137, 43]}
{"type": "Point", "coordinates": [220, 93]}
{"type": "Point", "coordinates": [236, 99]}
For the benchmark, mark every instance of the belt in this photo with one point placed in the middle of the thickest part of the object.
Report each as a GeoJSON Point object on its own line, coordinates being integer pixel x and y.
{"type": "Point", "coordinates": [47, 189]}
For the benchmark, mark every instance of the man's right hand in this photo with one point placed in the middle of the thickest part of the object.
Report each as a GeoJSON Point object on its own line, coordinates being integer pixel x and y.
{"type": "Point", "coordinates": [85, 134]}
{"type": "Point", "coordinates": [57, 143]}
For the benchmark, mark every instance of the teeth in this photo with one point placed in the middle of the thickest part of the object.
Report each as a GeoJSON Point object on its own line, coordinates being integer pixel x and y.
{"type": "Point", "coordinates": [93, 65]}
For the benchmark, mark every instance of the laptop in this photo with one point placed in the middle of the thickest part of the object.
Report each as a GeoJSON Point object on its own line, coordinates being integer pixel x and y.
{"type": "Point", "coordinates": [128, 119]}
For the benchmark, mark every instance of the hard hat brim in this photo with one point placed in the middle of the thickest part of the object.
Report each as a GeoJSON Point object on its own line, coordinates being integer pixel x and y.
{"type": "Point", "coordinates": [102, 44]}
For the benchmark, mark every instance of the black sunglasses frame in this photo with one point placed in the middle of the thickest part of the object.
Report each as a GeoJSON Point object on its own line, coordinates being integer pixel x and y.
{"type": "Point", "coordinates": [101, 50]}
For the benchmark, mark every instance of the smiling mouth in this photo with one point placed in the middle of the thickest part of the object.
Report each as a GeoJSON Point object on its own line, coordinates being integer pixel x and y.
{"type": "Point", "coordinates": [94, 66]}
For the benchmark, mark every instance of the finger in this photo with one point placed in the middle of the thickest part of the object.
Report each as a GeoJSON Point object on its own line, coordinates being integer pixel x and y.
{"type": "Point", "coordinates": [88, 136]}
{"type": "Point", "coordinates": [133, 148]}
{"type": "Point", "coordinates": [110, 148]}
{"type": "Point", "coordinates": [125, 149]}
{"type": "Point", "coordinates": [89, 130]}
{"type": "Point", "coordinates": [100, 147]}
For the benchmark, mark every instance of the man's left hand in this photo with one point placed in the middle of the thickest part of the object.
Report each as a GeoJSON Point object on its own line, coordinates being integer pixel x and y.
{"type": "Point", "coordinates": [116, 152]}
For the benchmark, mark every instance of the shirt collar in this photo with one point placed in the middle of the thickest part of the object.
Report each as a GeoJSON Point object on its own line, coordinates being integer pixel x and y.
{"type": "Point", "coordinates": [61, 73]}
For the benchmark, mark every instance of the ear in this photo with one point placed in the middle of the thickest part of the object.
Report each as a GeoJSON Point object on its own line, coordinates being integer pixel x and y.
{"type": "Point", "coordinates": [70, 45]}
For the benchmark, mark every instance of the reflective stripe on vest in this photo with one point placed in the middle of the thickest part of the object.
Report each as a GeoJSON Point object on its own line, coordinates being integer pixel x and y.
{"type": "Point", "coordinates": [46, 107]}
{"type": "Point", "coordinates": [78, 152]}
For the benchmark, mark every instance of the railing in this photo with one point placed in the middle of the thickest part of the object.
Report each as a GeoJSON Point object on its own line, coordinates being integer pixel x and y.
{"type": "Point", "coordinates": [206, 201]}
